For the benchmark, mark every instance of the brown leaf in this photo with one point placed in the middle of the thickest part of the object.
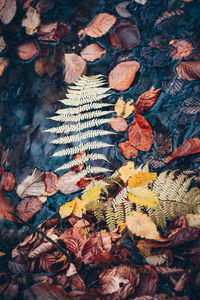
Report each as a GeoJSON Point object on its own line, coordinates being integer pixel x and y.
{"type": "Point", "coordinates": [44, 6]}
{"type": "Point", "coordinates": [189, 70]}
{"type": "Point", "coordinates": [76, 156]}
{"type": "Point", "coordinates": [181, 283]}
{"type": "Point", "coordinates": [74, 240]}
{"type": "Point", "coordinates": [27, 50]}
{"type": "Point", "coordinates": [118, 124]}
{"type": "Point", "coordinates": [121, 9]}
{"type": "Point", "coordinates": [46, 261]}
{"type": "Point", "coordinates": [148, 281]}
{"type": "Point", "coordinates": [4, 62]}
{"type": "Point", "coordinates": [50, 181]}
{"type": "Point", "coordinates": [182, 48]}
{"type": "Point", "coordinates": [8, 181]}
{"type": "Point", "coordinates": [146, 100]}
{"type": "Point", "coordinates": [163, 144]}
{"type": "Point", "coordinates": [2, 44]}
{"type": "Point", "coordinates": [52, 31]}
{"type": "Point", "coordinates": [67, 184]}
{"type": "Point", "coordinates": [168, 14]}
{"type": "Point", "coordinates": [99, 26]}
{"type": "Point", "coordinates": [7, 11]}
{"type": "Point", "coordinates": [140, 134]}
{"type": "Point", "coordinates": [5, 207]}
{"type": "Point", "coordinates": [92, 52]}
{"type": "Point", "coordinates": [128, 150]}
{"type": "Point", "coordinates": [75, 66]}
{"type": "Point", "coordinates": [32, 185]}
{"type": "Point", "coordinates": [31, 21]}
{"type": "Point", "coordinates": [28, 207]}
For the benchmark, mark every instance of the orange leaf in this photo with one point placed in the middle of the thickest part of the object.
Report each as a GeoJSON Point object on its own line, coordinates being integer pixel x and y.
{"type": "Point", "coordinates": [125, 172]}
{"type": "Point", "coordinates": [146, 100]}
{"type": "Point", "coordinates": [118, 124]}
{"type": "Point", "coordinates": [123, 109]}
{"type": "Point", "coordinates": [182, 48]}
{"type": "Point", "coordinates": [27, 51]}
{"type": "Point", "coordinates": [4, 62]}
{"type": "Point", "coordinates": [140, 134]}
{"type": "Point", "coordinates": [190, 146]}
{"type": "Point", "coordinates": [189, 70]}
{"type": "Point", "coordinates": [8, 181]}
{"type": "Point", "coordinates": [92, 52]}
{"type": "Point", "coordinates": [75, 66]}
{"type": "Point", "coordinates": [121, 77]}
{"type": "Point", "coordinates": [5, 207]}
{"type": "Point", "coordinates": [50, 181]}
{"type": "Point", "coordinates": [128, 150]}
{"type": "Point", "coordinates": [99, 26]}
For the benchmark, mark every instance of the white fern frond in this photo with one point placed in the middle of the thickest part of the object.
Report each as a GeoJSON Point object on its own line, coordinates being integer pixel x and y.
{"type": "Point", "coordinates": [121, 196]}
{"type": "Point", "coordinates": [76, 110]}
{"type": "Point", "coordinates": [90, 171]}
{"type": "Point", "coordinates": [81, 117]}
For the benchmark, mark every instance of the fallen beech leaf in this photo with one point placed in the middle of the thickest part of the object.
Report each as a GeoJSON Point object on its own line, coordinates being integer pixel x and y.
{"type": "Point", "coordinates": [7, 11]}
{"type": "Point", "coordinates": [140, 134]}
{"type": "Point", "coordinates": [66, 209]}
{"type": "Point", "coordinates": [121, 9]}
{"type": "Point", "coordinates": [52, 31]}
{"type": "Point", "coordinates": [45, 290]}
{"type": "Point", "coordinates": [75, 66]}
{"type": "Point", "coordinates": [5, 207]}
{"type": "Point", "coordinates": [2, 44]}
{"type": "Point", "coordinates": [67, 184]}
{"type": "Point", "coordinates": [80, 166]}
{"type": "Point", "coordinates": [123, 109]}
{"type": "Point", "coordinates": [143, 196]}
{"type": "Point", "coordinates": [125, 35]}
{"type": "Point", "coordinates": [92, 52]}
{"type": "Point", "coordinates": [190, 146]}
{"type": "Point", "coordinates": [8, 181]}
{"type": "Point", "coordinates": [128, 150]}
{"type": "Point", "coordinates": [33, 185]}
{"type": "Point", "coordinates": [92, 194]}
{"type": "Point", "coordinates": [79, 208]}
{"type": "Point", "coordinates": [193, 220]}
{"type": "Point", "coordinates": [28, 207]}
{"type": "Point", "coordinates": [4, 62]}
{"type": "Point", "coordinates": [74, 240]}
{"type": "Point", "coordinates": [127, 171]}
{"type": "Point", "coordinates": [182, 48]}
{"type": "Point", "coordinates": [121, 77]}
{"type": "Point", "coordinates": [27, 51]}
{"type": "Point", "coordinates": [141, 179]}
{"type": "Point", "coordinates": [50, 181]}
{"type": "Point", "coordinates": [141, 225]}
{"type": "Point", "coordinates": [118, 124]}
{"type": "Point", "coordinates": [189, 70]}
{"type": "Point", "coordinates": [99, 26]}
{"type": "Point", "coordinates": [31, 21]}
{"type": "Point", "coordinates": [146, 101]}
{"type": "Point", "coordinates": [148, 282]}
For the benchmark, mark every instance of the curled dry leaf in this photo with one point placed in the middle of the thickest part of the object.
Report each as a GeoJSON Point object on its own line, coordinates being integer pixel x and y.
{"type": "Point", "coordinates": [7, 11]}
{"type": "Point", "coordinates": [182, 48]}
{"type": "Point", "coordinates": [146, 100]}
{"type": "Point", "coordinates": [191, 146]}
{"type": "Point", "coordinates": [121, 9]}
{"type": "Point", "coordinates": [99, 26]}
{"type": "Point", "coordinates": [32, 21]}
{"type": "Point", "coordinates": [189, 70]}
{"type": "Point", "coordinates": [2, 44]}
{"type": "Point", "coordinates": [27, 51]}
{"type": "Point", "coordinates": [118, 124]}
{"type": "Point", "coordinates": [140, 134]}
{"type": "Point", "coordinates": [128, 150]}
{"type": "Point", "coordinates": [52, 31]}
{"type": "Point", "coordinates": [75, 66]}
{"type": "Point", "coordinates": [92, 52]}
{"type": "Point", "coordinates": [4, 62]}
{"type": "Point", "coordinates": [33, 185]}
{"type": "Point", "coordinates": [121, 77]}
{"type": "Point", "coordinates": [28, 207]}
{"type": "Point", "coordinates": [125, 35]}
{"type": "Point", "coordinates": [67, 184]}
{"type": "Point", "coordinates": [8, 181]}
{"type": "Point", "coordinates": [50, 181]}
{"type": "Point", "coordinates": [141, 225]}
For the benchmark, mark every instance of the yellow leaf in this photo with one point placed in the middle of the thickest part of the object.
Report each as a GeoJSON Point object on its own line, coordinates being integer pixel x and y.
{"type": "Point", "coordinates": [141, 179]}
{"type": "Point", "coordinates": [92, 194]}
{"type": "Point", "coordinates": [128, 109]}
{"type": "Point", "coordinates": [85, 230]}
{"type": "Point", "coordinates": [141, 225]}
{"type": "Point", "coordinates": [2, 254]}
{"type": "Point", "coordinates": [121, 226]}
{"type": "Point", "coordinates": [145, 250]}
{"type": "Point", "coordinates": [79, 208]}
{"type": "Point", "coordinates": [127, 171]}
{"type": "Point", "coordinates": [143, 196]}
{"type": "Point", "coordinates": [119, 106]}
{"type": "Point", "coordinates": [193, 220]}
{"type": "Point", "coordinates": [67, 209]}
{"type": "Point", "coordinates": [123, 109]}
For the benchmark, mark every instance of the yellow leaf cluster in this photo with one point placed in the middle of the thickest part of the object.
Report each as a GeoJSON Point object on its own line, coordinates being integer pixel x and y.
{"type": "Point", "coordinates": [124, 109]}
{"type": "Point", "coordinates": [92, 194]}
{"type": "Point", "coordinates": [125, 172]}
{"type": "Point", "coordinates": [76, 207]}
{"type": "Point", "coordinates": [143, 196]}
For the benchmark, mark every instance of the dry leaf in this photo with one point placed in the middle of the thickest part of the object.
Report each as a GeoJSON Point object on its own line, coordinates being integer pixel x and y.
{"type": "Point", "coordinates": [32, 21]}
{"type": "Point", "coordinates": [182, 48]}
{"type": "Point", "coordinates": [128, 150]}
{"type": "Point", "coordinates": [118, 124]}
{"type": "Point", "coordinates": [7, 11]}
{"type": "Point", "coordinates": [2, 44]}
{"type": "Point", "coordinates": [121, 9]}
{"type": "Point", "coordinates": [52, 31]}
{"type": "Point", "coordinates": [49, 65]}
{"type": "Point", "coordinates": [33, 185]}
{"type": "Point", "coordinates": [127, 171]}
{"type": "Point", "coordinates": [75, 66]}
{"type": "Point", "coordinates": [193, 220]}
{"type": "Point", "coordinates": [155, 260]}
{"type": "Point", "coordinates": [124, 109]}
{"type": "Point", "coordinates": [50, 181]}
{"type": "Point", "coordinates": [163, 144]}
{"type": "Point", "coordinates": [28, 207]}
{"type": "Point", "coordinates": [27, 51]}
{"type": "Point", "coordinates": [45, 290]}
{"type": "Point", "coordinates": [143, 196]}
{"type": "Point", "coordinates": [67, 184]}
{"type": "Point", "coordinates": [44, 6]}
{"type": "Point", "coordinates": [121, 77]}
{"type": "Point", "coordinates": [76, 156]}
{"type": "Point", "coordinates": [99, 26]}
{"type": "Point", "coordinates": [5, 207]}
{"type": "Point", "coordinates": [92, 52]}
{"type": "Point", "coordinates": [146, 100]}
{"type": "Point", "coordinates": [8, 181]}
{"type": "Point", "coordinates": [141, 179]}
{"type": "Point", "coordinates": [189, 70]}
{"type": "Point", "coordinates": [66, 209]}
{"type": "Point", "coordinates": [92, 194]}
{"type": "Point", "coordinates": [4, 62]}
{"type": "Point", "coordinates": [141, 225]}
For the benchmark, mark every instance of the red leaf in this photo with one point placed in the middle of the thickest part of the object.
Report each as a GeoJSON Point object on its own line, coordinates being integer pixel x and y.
{"type": "Point", "coordinates": [27, 50]}
{"type": "Point", "coordinates": [67, 184]}
{"type": "Point", "coordinates": [190, 146]}
{"type": "Point", "coordinates": [146, 100]}
{"type": "Point", "coordinates": [125, 35]}
{"type": "Point", "coordinates": [182, 48]}
{"type": "Point", "coordinates": [50, 181]}
{"type": "Point", "coordinates": [140, 134]}
{"type": "Point", "coordinates": [46, 261]}
{"type": "Point", "coordinates": [28, 207]}
{"type": "Point", "coordinates": [76, 156]}
{"type": "Point", "coordinates": [148, 281]}
{"type": "Point", "coordinates": [118, 124]}
{"type": "Point", "coordinates": [92, 52]}
{"type": "Point", "coordinates": [8, 181]}
{"type": "Point", "coordinates": [128, 150]}
{"type": "Point", "coordinates": [52, 31]}
{"type": "Point", "coordinates": [75, 66]}
{"type": "Point", "coordinates": [189, 70]}
{"type": "Point", "coordinates": [74, 240]}
{"type": "Point", "coordinates": [44, 290]}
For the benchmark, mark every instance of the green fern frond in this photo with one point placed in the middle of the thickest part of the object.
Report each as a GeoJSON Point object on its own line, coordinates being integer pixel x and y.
{"type": "Point", "coordinates": [119, 213]}
{"type": "Point", "coordinates": [110, 217]}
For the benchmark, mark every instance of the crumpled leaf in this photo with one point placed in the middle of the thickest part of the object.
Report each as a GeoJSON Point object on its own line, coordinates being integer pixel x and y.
{"type": "Point", "coordinates": [92, 194]}
{"type": "Point", "coordinates": [140, 134]}
{"type": "Point", "coordinates": [50, 181]}
{"type": "Point", "coordinates": [7, 11]}
{"type": "Point", "coordinates": [76, 207]}
{"type": "Point", "coordinates": [8, 181]}
{"type": "Point", "coordinates": [4, 62]}
{"type": "Point", "coordinates": [143, 196]}
{"type": "Point", "coordinates": [52, 31]}
{"type": "Point", "coordinates": [193, 220]}
{"type": "Point", "coordinates": [141, 179]}
{"type": "Point", "coordinates": [182, 48]}
{"type": "Point", "coordinates": [189, 70]}
{"type": "Point", "coordinates": [32, 21]}
{"type": "Point", "coordinates": [141, 225]}
{"type": "Point", "coordinates": [121, 77]}
{"type": "Point", "coordinates": [99, 26]}
{"type": "Point", "coordinates": [28, 207]}
{"type": "Point", "coordinates": [92, 52]}
{"type": "Point", "coordinates": [67, 184]}
{"type": "Point", "coordinates": [75, 66]}
{"type": "Point", "coordinates": [118, 124]}
{"type": "Point", "coordinates": [128, 150]}
{"type": "Point", "coordinates": [146, 100]}
{"type": "Point", "coordinates": [121, 9]}
{"type": "Point", "coordinates": [32, 185]}
{"type": "Point", "coordinates": [123, 109]}
{"type": "Point", "coordinates": [191, 146]}
{"type": "Point", "coordinates": [127, 171]}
